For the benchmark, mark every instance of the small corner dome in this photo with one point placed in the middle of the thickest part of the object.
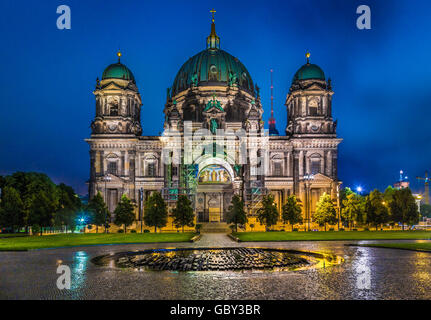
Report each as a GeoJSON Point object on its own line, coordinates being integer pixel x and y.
{"type": "Point", "coordinates": [118, 71]}
{"type": "Point", "coordinates": [309, 71]}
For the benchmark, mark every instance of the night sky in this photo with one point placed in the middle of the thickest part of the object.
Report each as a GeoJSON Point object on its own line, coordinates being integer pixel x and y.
{"type": "Point", "coordinates": [381, 77]}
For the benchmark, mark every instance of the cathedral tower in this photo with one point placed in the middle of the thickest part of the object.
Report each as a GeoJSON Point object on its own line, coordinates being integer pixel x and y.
{"type": "Point", "coordinates": [118, 103]}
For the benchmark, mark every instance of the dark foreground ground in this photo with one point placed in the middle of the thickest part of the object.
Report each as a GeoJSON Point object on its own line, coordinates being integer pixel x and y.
{"type": "Point", "coordinates": [367, 273]}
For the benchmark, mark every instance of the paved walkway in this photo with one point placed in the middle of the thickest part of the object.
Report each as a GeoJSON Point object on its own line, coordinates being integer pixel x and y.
{"type": "Point", "coordinates": [215, 240]}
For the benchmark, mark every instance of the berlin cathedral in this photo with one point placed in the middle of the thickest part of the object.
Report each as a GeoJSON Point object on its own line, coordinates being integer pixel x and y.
{"type": "Point", "coordinates": [213, 92]}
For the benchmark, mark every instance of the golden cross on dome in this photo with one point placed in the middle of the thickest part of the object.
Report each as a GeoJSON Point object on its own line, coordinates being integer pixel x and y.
{"type": "Point", "coordinates": [119, 55]}
{"type": "Point", "coordinates": [307, 55]}
{"type": "Point", "coordinates": [212, 12]}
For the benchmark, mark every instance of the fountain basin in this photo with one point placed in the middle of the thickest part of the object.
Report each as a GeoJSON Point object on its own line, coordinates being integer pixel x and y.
{"type": "Point", "coordinates": [214, 259]}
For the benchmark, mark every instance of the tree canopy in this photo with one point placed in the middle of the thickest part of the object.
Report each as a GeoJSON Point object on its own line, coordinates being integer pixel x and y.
{"type": "Point", "coordinates": [325, 211]}
{"type": "Point", "coordinates": [99, 211]}
{"type": "Point", "coordinates": [183, 213]}
{"type": "Point", "coordinates": [403, 207]}
{"type": "Point", "coordinates": [267, 214]}
{"type": "Point", "coordinates": [155, 211]}
{"type": "Point", "coordinates": [376, 209]}
{"type": "Point", "coordinates": [124, 212]}
{"type": "Point", "coordinates": [292, 212]}
{"type": "Point", "coordinates": [236, 214]}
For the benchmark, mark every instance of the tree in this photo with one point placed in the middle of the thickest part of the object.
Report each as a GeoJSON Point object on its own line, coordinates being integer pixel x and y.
{"type": "Point", "coordinates": [404, 208]}
{"type": "Point", "coordinates": [155, 211]}
{"type": "Point", "coordinates": [124, 212]}
{"type": "Point", "coordinates": [183, 213]}
{"type": "Point", "coordinates": [426, 210]}
{"type": "Point", "coordinates": [236, 213]}
{"type": "Point", "coordinates": [42, 210]}
{"type": "Point", "coordinates": [12, 211]}
{"type": "Point", "coordinates": [29, 185]}
{"type": "Point", "coordinates": [352, 210]}
{"type": "Point", "coordinates": [376, 210]}
{"type": "Point", "coordinates": [292, 212]}
{"type": "Point", "coordinates": [69, 205]}
{"type": "Point", "coordinates": [99, 211]}
{"type": "Point", "coordinates": [268, 214]}
{"type": "Point", "coordinates": [325, 211]}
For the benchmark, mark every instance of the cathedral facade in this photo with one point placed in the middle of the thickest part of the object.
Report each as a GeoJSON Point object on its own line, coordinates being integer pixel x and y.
{"type": "Point", "coordinates": [214, 143]}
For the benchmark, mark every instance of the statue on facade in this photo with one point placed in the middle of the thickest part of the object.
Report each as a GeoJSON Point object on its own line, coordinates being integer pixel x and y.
{"type": "Point", "coordinates": [213, 126]}
{"type": "Point", "coordinates": [194, 79]}
{"type": "Point", "coordinates": [233, 80]}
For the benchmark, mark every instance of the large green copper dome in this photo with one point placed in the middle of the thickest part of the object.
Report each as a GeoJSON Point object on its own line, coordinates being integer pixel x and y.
{"type": "Point", "coordinates": [212, 66]}
{"type": "Point", "coordinates": [118, 71]}
{"type": "Point", "coordinates": [309, 71]}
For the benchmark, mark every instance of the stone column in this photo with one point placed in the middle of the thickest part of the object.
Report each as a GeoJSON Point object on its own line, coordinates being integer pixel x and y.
{"type": "Point", "coordinates": [123, 163]}
{"type": "Point", "coordinates": [301, 163]}
{"type": "Point", "coordinates": [102, 162]}
{"type": "Point", "coordinates": [329, 164]}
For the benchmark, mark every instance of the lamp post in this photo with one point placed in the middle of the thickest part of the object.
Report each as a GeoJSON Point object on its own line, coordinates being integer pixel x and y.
{"type": "Point", "coordinates": [141, 198]}
{"type": "Point", "coordinates": [338, 205]}
{"type": "Point", "coordinates": [307, 179]}
{"type": "Point", "coordinates": [106, 178]}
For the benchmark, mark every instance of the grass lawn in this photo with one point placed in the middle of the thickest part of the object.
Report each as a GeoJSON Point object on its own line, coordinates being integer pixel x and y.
{"type": "Point", "coordinates": [12, 235]}
{"type": "Point", "coordinates": [426, 246]}
{"type": "Point", "coordinates": [68, 240]}
{"type": "Point", "coordinates": [333, 235]}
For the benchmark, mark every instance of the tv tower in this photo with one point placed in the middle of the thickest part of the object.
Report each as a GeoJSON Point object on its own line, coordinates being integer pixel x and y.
{"type": "Point", "coordinates": [271, 122]}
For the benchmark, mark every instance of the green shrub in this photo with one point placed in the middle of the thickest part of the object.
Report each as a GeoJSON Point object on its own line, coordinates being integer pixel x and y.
{"type": "Point", "coordinates": [120, 231]}
{"type": "Point", "coordinates": [355, 229]}
{"type": "Point", "coordinates": [342, 229]}
{"type": "Point", "coordinates": [133, 231]}
{"type": "Point", "coordinates": [331, 229]}
{"type": "Point", "coordinates": [295, 229]}
{"type": "Point", "coordinates": [35, 229]}
{"type": "Point", "coordinates": [367, 229]}
{"type": "Point", "coordinates": [146, 231]}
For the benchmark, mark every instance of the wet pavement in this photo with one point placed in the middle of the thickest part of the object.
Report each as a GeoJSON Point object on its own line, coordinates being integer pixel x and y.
{"type": "Point", "coordinates": [367, 273]}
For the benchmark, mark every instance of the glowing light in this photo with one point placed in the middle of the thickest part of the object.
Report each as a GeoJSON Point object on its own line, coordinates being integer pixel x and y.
{"type": "Point", "coordinates": [359, 189]}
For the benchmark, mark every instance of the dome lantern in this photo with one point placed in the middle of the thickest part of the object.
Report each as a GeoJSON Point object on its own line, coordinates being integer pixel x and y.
{"type": "Point", "coordinates": [309, 71]}
{"type": "Point", "coordinates": [213, 40]}
{"type": "Point", "coordinates": [118, 71]}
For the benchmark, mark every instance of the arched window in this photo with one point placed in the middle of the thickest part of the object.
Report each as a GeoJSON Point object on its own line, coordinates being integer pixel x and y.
{"type": "Point", "coordinates": [312, 107]}
{"type": "Point", "coordinates": [112, 167]}
{"type": "Point", "coordinates": [315, 164]}
{"type": "Point", "coordinates": [113, 109]}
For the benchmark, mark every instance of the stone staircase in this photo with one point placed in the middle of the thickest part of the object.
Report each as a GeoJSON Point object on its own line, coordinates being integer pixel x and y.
{"type": "Point", "coordinates": [215, 227]}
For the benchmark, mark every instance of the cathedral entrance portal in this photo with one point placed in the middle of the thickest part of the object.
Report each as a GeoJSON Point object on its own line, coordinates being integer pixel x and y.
{"type": "Point", "coordinates": [214, 194]}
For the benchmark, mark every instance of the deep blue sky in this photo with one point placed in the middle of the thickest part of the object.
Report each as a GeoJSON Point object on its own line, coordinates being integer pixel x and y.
{"type": "Point", "coordinates": [381, 77]}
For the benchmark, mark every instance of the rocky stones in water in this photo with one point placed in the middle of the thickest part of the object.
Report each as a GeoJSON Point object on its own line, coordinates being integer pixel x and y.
{"type": "Point", "coordinates": [211, 259]}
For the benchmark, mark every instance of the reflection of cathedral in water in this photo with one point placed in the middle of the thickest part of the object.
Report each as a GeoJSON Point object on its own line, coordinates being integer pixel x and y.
{"type": "Point", "coordinates": [213, 90]}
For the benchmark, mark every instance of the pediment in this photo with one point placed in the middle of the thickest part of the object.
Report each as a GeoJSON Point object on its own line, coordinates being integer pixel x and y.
{"type": "Point", "coordinates": [114, 179]}
{"type": "Point", "coordinates": [323, 178]}
{"type": "Point", "coordinates": [112, 86]}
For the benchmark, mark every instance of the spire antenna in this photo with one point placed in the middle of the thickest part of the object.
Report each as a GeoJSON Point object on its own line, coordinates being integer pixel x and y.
{"type": "Point", "coordinates": [119, 54]}
{"type": "Point", "coordinates": [272, 96]}
{"type": "Point", "coordinates": [307, 55]}
{"type": "Point", "coordinates": [271, 122]}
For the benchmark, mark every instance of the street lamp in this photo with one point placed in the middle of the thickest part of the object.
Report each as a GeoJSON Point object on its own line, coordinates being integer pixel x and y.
{"type": "Point", "coordinates": [359, 189]}
{"type": "Point", "coordinates": [106, 178]}
{"type": "Point", "coordinates": [307, 179]}
{"type": "Point", "coordinates": [141, 198]}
